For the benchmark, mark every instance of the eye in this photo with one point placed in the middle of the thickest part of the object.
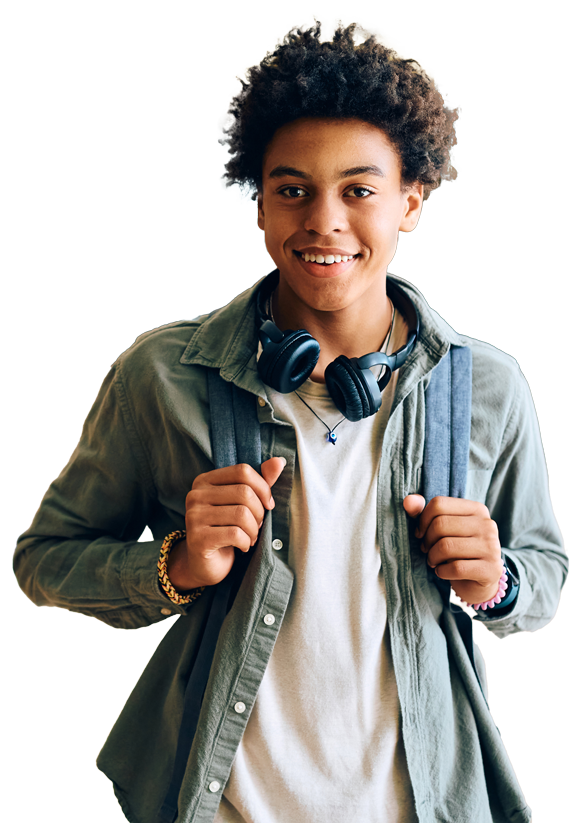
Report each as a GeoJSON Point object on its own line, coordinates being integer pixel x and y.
{"type": "Point", "coordinates": [295, 192]}
{"type": "Point", "coordinates": [360, 192]}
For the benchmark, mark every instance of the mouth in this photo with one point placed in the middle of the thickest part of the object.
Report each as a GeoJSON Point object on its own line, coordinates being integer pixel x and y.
{"type": "Point", "coordinates": [325, 259]}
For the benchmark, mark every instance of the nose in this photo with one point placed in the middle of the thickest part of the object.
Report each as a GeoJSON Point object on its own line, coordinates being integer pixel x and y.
{"type": "Point", "coordinates": [326, 213]}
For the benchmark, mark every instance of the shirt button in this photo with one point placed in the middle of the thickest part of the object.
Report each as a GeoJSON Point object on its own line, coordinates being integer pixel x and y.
{"type": "Point", "coordinates": [240, 707]}
{"type": "Point", "coordinates": [165, 611]}
{"type": "Point", "coordinates": [269, 619]}
{"type": "Point", "coordinates": [214, 786]}
{"type": "Point", "coordinates": [261, 402]}
{"type": "Point", "coordinates": [277, 544]}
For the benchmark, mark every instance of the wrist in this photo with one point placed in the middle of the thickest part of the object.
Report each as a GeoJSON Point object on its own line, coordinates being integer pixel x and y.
{"type": "Point", "coordinates": [499, 592]}
{"type": "Point", "coordinates": [179, 586]}
{"type": "Point", "coordinates": [178, 568]}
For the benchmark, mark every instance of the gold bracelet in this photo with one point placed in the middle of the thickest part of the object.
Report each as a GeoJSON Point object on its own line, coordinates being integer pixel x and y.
{"type": "Point", "coordinates": [172, 594]}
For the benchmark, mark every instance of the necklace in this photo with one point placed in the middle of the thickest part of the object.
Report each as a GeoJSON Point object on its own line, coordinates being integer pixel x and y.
{"type": "Point", "coordinates": [331, 436]}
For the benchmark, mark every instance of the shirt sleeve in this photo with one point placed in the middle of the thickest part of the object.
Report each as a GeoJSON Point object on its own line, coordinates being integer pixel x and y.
{"type": "Point", "coordinates": [518, 500]}
{"type": "Point", "coordinates": [82, 551]}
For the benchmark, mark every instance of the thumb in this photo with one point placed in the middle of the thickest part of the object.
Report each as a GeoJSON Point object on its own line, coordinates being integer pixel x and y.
{"type": "Point", "coordinates": [272, 469]}
{"type": "Point", "coordinates": [414, 504]}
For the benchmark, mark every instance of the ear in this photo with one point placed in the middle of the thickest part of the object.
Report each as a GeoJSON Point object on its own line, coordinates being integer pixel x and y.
{"type": "Point", "coordinates": [261, 219]}
{"type": "Point", "coordinates": [412, 205]}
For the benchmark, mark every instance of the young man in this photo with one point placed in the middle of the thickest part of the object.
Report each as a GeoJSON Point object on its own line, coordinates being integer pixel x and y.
{"type": "Point", "coordinates": [335, 691]}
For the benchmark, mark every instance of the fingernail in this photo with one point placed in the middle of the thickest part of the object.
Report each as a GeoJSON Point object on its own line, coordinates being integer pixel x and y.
{"type": "Point", "coordinates": [272, 501]}
{"type": "Point", "coordinates": [284, 459]}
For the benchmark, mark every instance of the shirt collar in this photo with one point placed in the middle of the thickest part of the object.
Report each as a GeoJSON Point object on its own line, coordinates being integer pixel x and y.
{"type": "Point", "coordinates": [227, 339]}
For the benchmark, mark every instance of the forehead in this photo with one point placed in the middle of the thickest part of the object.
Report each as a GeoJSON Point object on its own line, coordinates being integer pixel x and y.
{"type": "Point", "coordinates": [328, 146]}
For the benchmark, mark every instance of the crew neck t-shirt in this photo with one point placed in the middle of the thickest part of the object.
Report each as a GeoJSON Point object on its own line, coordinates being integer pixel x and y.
{"type": "Point", "coordinates": [323, 740]}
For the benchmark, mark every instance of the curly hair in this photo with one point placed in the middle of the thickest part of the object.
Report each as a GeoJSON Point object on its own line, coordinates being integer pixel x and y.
{"type": "Point", "coordinates": [306, 78]}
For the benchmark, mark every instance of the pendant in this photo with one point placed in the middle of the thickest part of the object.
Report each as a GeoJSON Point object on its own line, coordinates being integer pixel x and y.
{"type": "Point", "coordinates": [331, 437]}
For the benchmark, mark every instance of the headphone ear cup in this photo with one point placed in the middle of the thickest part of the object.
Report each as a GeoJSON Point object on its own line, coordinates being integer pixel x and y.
{"type": "Point", "coordinates": [286, 365]}
{"type": "Point", "coordinates": [348, 389]}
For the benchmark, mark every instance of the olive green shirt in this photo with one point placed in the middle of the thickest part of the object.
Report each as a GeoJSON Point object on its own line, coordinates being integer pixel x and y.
{"type": "Point", "coordinates": [146, 439]}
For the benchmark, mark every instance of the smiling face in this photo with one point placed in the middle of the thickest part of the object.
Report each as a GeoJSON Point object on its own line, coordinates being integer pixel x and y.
{"type": "Point", "coordinates": [332, 189]}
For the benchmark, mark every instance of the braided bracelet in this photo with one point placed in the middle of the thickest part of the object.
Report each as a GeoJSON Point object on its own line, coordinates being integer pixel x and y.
{"type": "Point", "coordinates": [490, 604]}
{"type": "Point", "coordinates": [172, 594]}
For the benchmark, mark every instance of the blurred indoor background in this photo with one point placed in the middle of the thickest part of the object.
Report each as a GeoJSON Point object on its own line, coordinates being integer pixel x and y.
{"type": "Point", "coordinates": [179, 244]}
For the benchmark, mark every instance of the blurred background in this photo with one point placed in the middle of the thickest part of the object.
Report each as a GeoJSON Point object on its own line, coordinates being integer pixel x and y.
{"type": "Point", "coordinates": [115, 219]}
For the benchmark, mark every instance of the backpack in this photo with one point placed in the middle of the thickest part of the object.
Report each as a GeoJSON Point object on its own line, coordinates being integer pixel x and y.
{"type": "Point", "coordinates": [235, 436]}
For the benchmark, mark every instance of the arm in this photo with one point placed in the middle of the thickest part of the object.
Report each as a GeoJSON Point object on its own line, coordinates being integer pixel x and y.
{"type": "Point", "coordinates": [82, 551]}
{"type": "Point", "coordinates": [133, 468]}
{"type": "Point", "coordinates": [464, 539]}
{"type": "Point", "coordinates": [518, 500]}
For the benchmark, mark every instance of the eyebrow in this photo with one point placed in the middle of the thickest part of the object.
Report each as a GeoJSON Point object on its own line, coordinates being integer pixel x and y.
{"type": "Point", "coordinates": [290, 171]}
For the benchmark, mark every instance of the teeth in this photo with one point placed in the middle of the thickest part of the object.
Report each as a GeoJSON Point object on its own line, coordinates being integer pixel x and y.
{"type": "Point", "coordinates": [328, 258]}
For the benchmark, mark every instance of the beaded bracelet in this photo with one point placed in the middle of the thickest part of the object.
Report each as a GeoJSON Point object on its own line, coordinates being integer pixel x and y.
{"type": "Point", "coordinates": [172, 594]}
{"type": "Point", "coordinates": [490, 604]}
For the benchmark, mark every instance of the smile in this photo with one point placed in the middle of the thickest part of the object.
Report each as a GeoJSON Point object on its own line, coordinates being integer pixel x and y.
{"type": "Point", "coordinates": [327, 259]}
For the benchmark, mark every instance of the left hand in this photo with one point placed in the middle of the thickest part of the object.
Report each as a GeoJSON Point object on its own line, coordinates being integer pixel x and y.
{"type": "Point", "coordinates": [461, 542]}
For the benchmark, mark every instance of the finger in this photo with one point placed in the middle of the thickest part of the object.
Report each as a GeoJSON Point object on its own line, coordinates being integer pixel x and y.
{"type": "Point", "coordinates": [449, 549]}
{"type": "Point", "coordinates": [272, 469]}
{"type": "Point", "coordinates": [447, 525]}
{"type": "Point", "coordinates": [481, 530]}
{"type": "Point", "coordinates": [448, 505]}
{"type": "Point", "coordinates": [240, 474]}
{"type": "Point", "coordinates": [239, 516]}
{"type": "Point", "coordinates": [203, 501]}
{"type": "Point", "coordinates": [478, 571]}
{"type": "Point", "coordinates": [414, 504]}
{"type": "Point", "coordinates": [221, 537]}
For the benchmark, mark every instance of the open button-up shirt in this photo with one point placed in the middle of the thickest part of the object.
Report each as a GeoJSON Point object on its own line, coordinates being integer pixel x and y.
{"type": "Point", "coordinates": [147, 438]}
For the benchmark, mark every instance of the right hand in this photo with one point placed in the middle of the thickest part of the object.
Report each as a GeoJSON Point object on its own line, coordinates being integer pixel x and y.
{"type": "Point", "coordinates": [224, 509]}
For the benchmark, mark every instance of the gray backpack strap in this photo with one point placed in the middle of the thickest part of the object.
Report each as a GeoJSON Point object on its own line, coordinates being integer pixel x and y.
{"type": "Point", "coordinates": [446, 455]}
{"type": "Point", "coordinates": [235, 438]}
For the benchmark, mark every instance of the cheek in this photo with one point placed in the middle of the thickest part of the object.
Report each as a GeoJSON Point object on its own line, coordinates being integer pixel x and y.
{"type": "Point", "coordinates": [274, 246]}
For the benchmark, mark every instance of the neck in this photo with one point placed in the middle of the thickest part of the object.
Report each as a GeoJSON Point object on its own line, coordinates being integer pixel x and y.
{"type": "Point", "coordinates": [353, 331]}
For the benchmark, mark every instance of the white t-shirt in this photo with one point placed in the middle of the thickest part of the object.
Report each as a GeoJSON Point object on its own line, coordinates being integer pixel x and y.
{"type": "Point", "coordinates": [323, 740]}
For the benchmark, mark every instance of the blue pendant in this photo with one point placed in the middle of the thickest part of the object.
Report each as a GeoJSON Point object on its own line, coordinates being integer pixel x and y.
{"type": "Point", "coordinates": [331, 437]}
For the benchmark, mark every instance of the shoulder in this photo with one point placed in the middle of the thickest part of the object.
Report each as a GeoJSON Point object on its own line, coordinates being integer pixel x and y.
{"type": "Point", "coordinates": [501, 402]}
{"type": "Point", "coordinates": [163, 344]}
{"type": "Point", "coordinates": [497, 377]}
{"type": "Point", "coordinates": [153, 384]}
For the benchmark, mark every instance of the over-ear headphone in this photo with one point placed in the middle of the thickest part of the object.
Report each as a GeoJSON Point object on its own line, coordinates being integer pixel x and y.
{"type": "Point", "coordinates": [288, 358]}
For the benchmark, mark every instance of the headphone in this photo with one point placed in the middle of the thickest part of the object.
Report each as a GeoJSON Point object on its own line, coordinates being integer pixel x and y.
{"type": "Point", "coordinates": [288, 358]}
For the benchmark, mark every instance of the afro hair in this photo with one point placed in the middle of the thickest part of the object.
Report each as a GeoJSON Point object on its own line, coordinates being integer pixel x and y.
{"type": "Point", "coordinates": [305, 77]}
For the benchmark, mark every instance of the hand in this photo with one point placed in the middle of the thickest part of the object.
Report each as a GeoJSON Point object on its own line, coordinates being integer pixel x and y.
{"type": "Point", "coordinates": [224, 509]}
{"type": "Point", "coordinates": [462, 544]}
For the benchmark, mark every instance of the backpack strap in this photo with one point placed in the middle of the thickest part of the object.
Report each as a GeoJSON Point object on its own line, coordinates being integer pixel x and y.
{"type": "Point", "coordinates": [446, 455]}
{"type": "Point", "coordinates": [448, 426]}
{"type": "Point", "coordinates": [235, 438]}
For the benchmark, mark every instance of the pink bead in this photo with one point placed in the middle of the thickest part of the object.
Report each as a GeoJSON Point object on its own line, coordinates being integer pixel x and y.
{"type": "Point", "coordinates": [502, 588]}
